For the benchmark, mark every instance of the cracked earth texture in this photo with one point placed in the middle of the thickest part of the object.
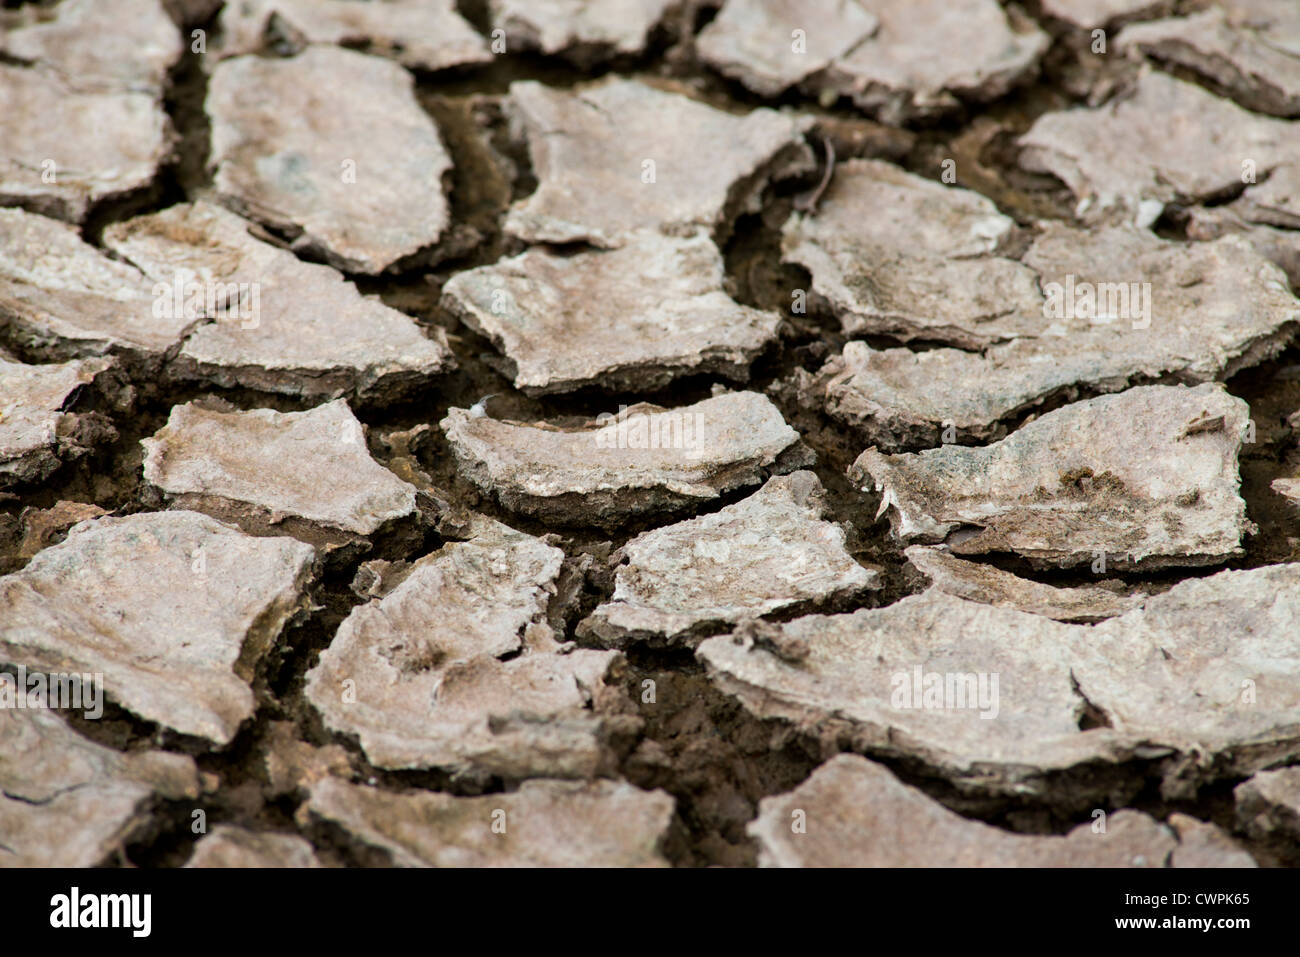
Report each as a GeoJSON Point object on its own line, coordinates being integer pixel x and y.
{"type": "Point", "coordinates": [650, 433]}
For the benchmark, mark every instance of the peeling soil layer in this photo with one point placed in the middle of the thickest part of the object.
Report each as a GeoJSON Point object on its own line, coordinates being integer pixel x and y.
{"type": "Point", "coordinates": [649, 433]}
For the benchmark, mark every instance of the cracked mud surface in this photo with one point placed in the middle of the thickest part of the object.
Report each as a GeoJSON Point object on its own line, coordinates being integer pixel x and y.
{"type": "Point", "coordinates": [599, 432]}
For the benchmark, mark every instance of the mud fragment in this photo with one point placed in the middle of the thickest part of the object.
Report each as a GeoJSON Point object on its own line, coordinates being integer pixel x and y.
{"type": "Point", "coordinates": [543, 824]}
{"type": "Point", "coordinates": [1202, 677]}
{"type": "Point", "coordinates": [1167, 141]}
{"type": "Point", "coordinates": [62, 298]}
{"type": "Point", "coordinates": [1195, 313]}
{"type": "Point", "coordinates": [991, 585]}
{"type": "Point", "coordinates": [1267, 215]}
{"type": "Point", "coordinates": [1268, 805]}
{"type": "Point", "coordinates": [230, 846]}
{"type": "Point", "coordinates": [1288, 487]}
{"type": "Point", "coordinates": [1279, 246]}
{"type": "Point", "coordinates": [98, 45]}
{"type": "Point", "coordinates": [1235, 47]}
{"type": "Point", "coordinates": [848, 681]}
{"type": "Point", "coordinates": [643, 314]}
{"type": "Point", "coordinates": [422, 34]}
{"type": "Point", "coordinates": [898, 399]}
{"type": "Point", "coordinates": [891, 253]}
{"type": "Point", "coordinates": [45, 527]}
{"type": "Point", "coordinates": [68, 802]}
{"type": "Point", "coordinates": [928, 57]}
{"type": "Point", "coordinates": [456, 668]}
{"type": "Point", "coordinates": [1201, 844]}
{"type": "Point", "coordinates": [857, 814]}
{"type": "Point", "coordinates": [1146, 478]}
{"type": "Point", "coordinates": [583, 33]}
{"type": "Point", "coordinates": [618, 157]}
{"type": "Point", "coordinates": [771, 551]}
{"type": "Point", "coordinates": [331, 148]}
{"type": "Point", "coordinates": [755, 41]}
{"type": "Point", "coordinates": [36, 435]}
{"type": "Point", "coordinates": [310, 465]}
{"type": "Point", "coordinates": [1208, 667]}
{"type": "Point", "coordinates": [1274, 201]}
{"type": "Point", "coordinates": [63, 150]}
{"type": "Point", "coordinates": [173, 608]}
{"type": "Point", "coordinates": [81, 119]}
{"type": "Point", "coordinates": [279, 324]}
{"type": "Point", "coordinates": [644, 460]}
